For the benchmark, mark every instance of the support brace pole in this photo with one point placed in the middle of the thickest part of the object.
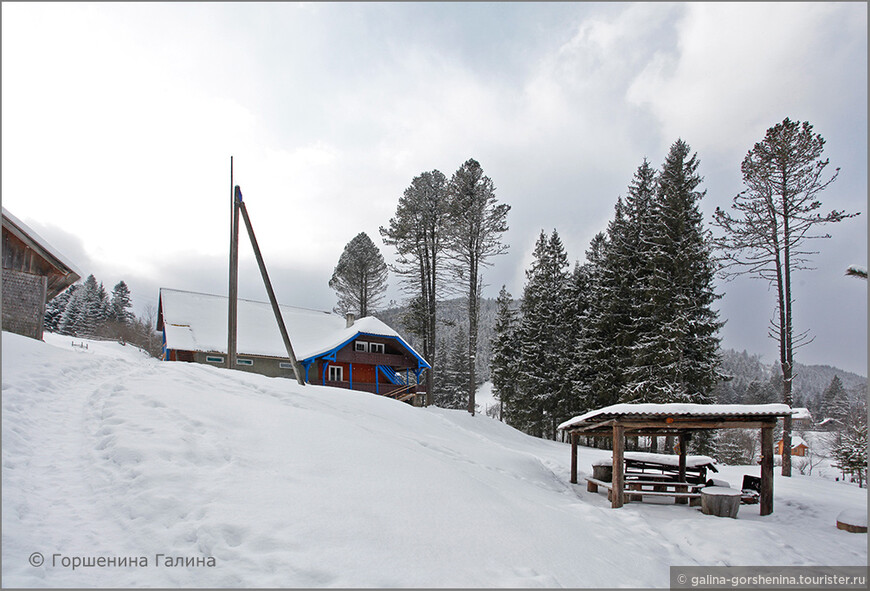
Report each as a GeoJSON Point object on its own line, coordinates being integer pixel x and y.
{"type": "Point", "coordinates": [297, 371]}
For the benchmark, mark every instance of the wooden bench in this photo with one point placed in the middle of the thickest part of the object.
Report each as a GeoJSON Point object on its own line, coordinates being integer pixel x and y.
{"type": "Point", "coordinates": [683, 491]}
{"type": "Point", "coordinates": [592, 485]}
{"type": "Point", "coordinates": [635, 491]}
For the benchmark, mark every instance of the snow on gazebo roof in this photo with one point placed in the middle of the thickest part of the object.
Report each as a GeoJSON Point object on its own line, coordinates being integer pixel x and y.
{"type": "Point", "coordinates": [679, 410]}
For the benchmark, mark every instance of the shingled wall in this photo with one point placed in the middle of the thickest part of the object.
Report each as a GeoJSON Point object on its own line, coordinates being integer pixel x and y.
{"type": "Point", "coordinates": [23, 303]}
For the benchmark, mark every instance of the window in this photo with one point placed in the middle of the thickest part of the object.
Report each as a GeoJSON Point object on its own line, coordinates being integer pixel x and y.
{"type": "Point", "coordinates": [214, 359]}
{"type": "Point", "coordinates": [244, 362]}
{"type": "Point", "coordinates": [336, 373]}
{"type": "Point", "coordinates": [285, 365]}
{"type": "Point", "coordinates": [376, 347]}
{"type": "Point", "coordinates": [361, 346]}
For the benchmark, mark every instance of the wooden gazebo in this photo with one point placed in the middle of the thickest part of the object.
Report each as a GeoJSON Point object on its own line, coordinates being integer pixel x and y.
{"type": "Point", "coordinates": [619, 420]}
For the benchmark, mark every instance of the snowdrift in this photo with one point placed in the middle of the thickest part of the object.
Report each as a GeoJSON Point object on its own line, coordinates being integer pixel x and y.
{"type": "Point", "coordinates": [108, 454]}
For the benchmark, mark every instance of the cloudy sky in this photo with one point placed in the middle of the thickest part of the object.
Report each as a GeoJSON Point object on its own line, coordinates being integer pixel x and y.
{"type": "Point", "coordinates": [119, 120]}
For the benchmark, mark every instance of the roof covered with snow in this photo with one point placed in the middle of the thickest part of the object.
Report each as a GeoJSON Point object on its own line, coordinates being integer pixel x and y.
{"type": "Point", "coordinates": [800, 413]}
{"type": "Point", "coordinates": [198, 322]}
{"type": "Point", "coordinates": [8, 218]}
{"type": "Point", "coordinates": [797, 441]}
{"type": "Point", "coordinates": [682, 410]}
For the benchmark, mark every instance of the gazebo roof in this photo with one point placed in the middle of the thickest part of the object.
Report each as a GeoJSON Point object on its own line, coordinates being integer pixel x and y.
{"type": "Point", "coordinates": [674, 417]}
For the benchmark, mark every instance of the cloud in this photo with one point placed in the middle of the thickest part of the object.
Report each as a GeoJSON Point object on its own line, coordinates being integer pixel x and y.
{"type": "Point", "coordinates": [738, 68]}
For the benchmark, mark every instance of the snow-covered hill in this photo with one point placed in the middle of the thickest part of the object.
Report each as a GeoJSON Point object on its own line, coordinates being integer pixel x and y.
{"type": "Point", "coordinates": [110, 455]}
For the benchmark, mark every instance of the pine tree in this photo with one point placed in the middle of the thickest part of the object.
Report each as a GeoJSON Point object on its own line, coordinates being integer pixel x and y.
{"type": "Point", "coordinates": [504, 362]}
{"type": "Point", "coordinates": [475, 224]}
{"type": "Point", "coordinates": [360, 277]}
{"type": "Point", "coordinates": [775, 215]}
{"type": "Point", "coordinates": [417, 231]}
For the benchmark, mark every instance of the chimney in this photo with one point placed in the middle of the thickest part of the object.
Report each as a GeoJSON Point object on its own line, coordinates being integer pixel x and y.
{"type": "Point", "coordinates": [350, 318]}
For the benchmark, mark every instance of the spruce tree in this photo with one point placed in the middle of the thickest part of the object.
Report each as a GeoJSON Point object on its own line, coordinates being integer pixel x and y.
{"type": "Point", "coordinates": [504, 359]}
{"type": "Point", "coordinates": [450, 381]}
{"type": "Point", "coordinates": [119, 309]}
{"type": "Point", "coordinates": [675, 358]}
{"type": "Point", "coordinates": [71, 320]}
{"type": "Point", "coordinates": [55, 308]}
{"type": "Point", "coordinates": [595, 377]}
{"type": "Point", "coordinates": [544, 340]}
{"type": "Point", "coordinates": [835, 401]}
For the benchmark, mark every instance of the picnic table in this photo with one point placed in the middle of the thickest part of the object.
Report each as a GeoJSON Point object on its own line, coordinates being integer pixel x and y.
{"type": "Point", "coordinates": [655, 475]}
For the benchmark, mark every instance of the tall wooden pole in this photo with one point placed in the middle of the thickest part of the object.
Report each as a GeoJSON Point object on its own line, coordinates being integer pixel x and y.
{"type": "Point", "coordinates": [232, 319]}
{"type": "Point", "coordinates": [297, 370]}
{"type": "Point", "coordinates": [682, 468]}
{"type": "Point", "coordinates": [766, 500]}
{"type": "Point", "coordinates": [573, 458]}
{"type": "Point", "coordinates": [618, 482]}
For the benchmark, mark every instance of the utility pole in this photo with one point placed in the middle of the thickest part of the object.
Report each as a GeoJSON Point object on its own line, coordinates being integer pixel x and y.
{"type": "Point", "coordinates": [232, 320]}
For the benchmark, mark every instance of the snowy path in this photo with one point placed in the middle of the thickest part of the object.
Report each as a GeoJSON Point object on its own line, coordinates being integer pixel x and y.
{"type": "Point", "coordinates": [107, 453]}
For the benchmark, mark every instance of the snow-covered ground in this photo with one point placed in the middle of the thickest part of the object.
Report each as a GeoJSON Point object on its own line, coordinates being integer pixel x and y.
{"type": "Point", "coordinates": [108, 454]}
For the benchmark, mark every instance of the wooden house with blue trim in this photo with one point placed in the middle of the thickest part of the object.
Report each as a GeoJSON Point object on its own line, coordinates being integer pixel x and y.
{"type": "Point", "coordinates": [358, 354]}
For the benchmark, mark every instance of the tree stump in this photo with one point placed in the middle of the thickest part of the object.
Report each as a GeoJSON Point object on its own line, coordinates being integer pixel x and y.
{"type": "Point", "coordinates": [854, 521]}
{"type": "Point", "coordinates": [604, 473]}
{"type": "Point", "coordinates": [720, 501]}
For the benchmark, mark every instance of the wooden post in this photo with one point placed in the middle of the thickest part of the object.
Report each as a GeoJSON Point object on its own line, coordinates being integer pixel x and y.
{"type": "Point", "coordinates": [277, 311]}
{"type": "Point", "coordinates": [682, 476]}
{"type": "Point", "coordinates": [573, 458]}
{"type": "Point", "coordinates": [766, 500]}
{"type": "Point", "coordinates": [618, 466]}
{"type": "Point", "coordinates": [232, 320]}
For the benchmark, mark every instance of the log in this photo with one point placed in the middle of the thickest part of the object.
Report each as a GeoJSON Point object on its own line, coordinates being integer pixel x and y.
{"type": "Point", "coordinates": [853, 521]}
{"type": "Point", "coordinates": [720, 501]}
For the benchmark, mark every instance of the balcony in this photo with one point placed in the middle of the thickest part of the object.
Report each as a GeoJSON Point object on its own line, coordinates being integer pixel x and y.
{"type": "Point", "coordinates": [395, 361]}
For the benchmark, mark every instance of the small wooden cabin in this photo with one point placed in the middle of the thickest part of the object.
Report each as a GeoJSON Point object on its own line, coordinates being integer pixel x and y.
{"type": "Point", "coordinates": [799, 447]}
{"type": "Point", "coordinates": [363, 354]}
{"type": "Point", "coordinates": [33, 274]}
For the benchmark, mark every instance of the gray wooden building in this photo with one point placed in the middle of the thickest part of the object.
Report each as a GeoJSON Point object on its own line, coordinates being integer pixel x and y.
{"type": "Point", "coordinates": [33, 273]}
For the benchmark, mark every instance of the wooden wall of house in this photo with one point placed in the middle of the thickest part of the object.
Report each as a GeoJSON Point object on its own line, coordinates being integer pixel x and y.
{"type": "Point", "coordinates": [18, 256]}
{"type": "Point", "coordinates": [23, 303]}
